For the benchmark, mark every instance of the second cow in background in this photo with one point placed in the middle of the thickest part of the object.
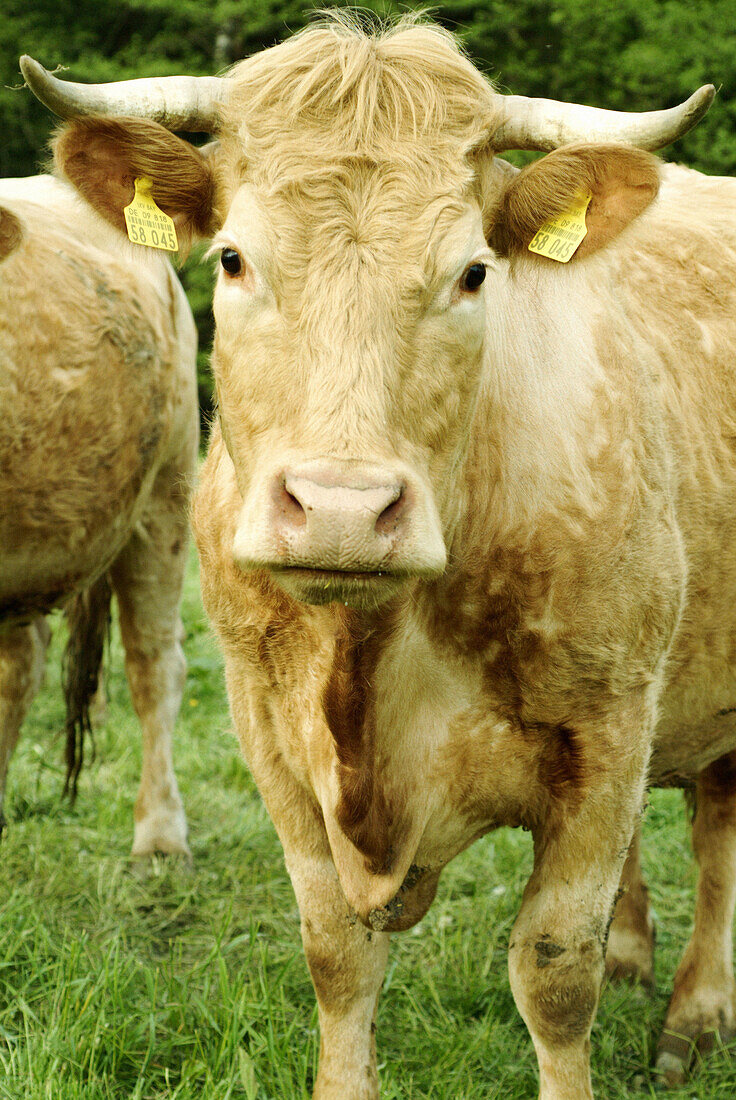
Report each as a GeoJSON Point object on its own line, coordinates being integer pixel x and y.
{"type": "Point", "coordinates": [98, 446]}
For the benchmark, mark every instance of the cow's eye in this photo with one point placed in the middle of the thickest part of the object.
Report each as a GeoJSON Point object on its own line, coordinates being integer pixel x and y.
{"type": "Point", "coordinates": [473, 277]}
{"type": "Point", "coordinates": [231, 261]}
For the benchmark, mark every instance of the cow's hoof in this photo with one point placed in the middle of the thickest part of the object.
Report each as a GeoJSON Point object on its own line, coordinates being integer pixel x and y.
{"type": "Point", "coordinates": [678, 1054]}
{"type": "Point", "coordinates": [626, 970]}
{"type": "Point", "coordinates": [630, 957]}
{"type": "Point", "coordinates": [161, 833]}
{"type": "Point", "coordinates": [674, 1055]}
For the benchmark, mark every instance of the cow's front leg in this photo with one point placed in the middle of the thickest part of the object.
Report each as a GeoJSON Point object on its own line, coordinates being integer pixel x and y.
{"type": "Point", "coordinates": [346, 961]}
{"type": "Point", "coordinates": [347, 964]}
{"type": "Point", "coordinates": [556, 952]}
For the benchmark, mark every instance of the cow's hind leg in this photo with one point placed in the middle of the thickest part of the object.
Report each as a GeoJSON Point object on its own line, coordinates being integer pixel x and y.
{"type": "Point", "coordinates": [630, 949]}
{"type": "Point", "coordinates": [703, 1004]}
{"type": "Point", "coordinates": [22, 661]}
{"type": "Point", "coordinates": [148, 577]}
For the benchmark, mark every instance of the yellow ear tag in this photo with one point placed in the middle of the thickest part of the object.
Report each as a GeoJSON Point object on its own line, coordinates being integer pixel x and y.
{"type": "Point", "coordinates": [559, 238]}
{"type": "Point", "coordinates": [146, 223]}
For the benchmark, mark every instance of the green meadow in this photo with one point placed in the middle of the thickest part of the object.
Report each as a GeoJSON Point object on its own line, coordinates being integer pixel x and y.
{"type": "Point", "coordinates": [145, 981]}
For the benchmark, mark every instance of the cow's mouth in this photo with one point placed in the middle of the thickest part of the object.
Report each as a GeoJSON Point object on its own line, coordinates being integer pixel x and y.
{"type": "Point", "coordinates": [361, 589]}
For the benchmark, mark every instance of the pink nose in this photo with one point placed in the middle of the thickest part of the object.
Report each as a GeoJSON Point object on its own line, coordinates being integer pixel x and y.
{"type": "Point", "coordinates": [349, 524]}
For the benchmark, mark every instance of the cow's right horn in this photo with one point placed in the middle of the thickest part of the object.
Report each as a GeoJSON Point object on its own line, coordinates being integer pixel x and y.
{"type": "Point", "coordinates": [177, 102]}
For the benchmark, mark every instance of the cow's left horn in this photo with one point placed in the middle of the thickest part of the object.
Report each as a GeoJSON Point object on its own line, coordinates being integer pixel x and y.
{"type": "Point", "coordinates": [546, 124]}
{"type": "Point", "coordinates": [177, 102]}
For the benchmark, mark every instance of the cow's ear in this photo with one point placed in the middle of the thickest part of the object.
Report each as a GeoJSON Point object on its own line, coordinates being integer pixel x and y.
{"type": "Point", "coordinates": [622, 181]}
{"type": "Point", "coordinates": [11, 232]}
{"type": "Point", "coordinates": [102, 157]}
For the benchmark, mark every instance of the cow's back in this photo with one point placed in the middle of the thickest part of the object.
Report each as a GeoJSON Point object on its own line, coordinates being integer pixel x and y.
{"type": "Point", "coordinates": [96, 382]}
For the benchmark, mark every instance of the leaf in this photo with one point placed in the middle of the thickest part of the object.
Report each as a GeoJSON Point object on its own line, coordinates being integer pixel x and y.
{"type": "Point", "coordinates": [247, 1074]}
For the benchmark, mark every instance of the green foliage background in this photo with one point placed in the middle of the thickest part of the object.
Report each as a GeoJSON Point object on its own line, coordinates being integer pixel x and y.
{"type": "Point", "coordinates": [623, 54]}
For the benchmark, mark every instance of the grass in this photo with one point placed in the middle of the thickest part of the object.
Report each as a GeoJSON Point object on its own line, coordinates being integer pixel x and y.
{"type": "Point", "coordinates": [121, 981]}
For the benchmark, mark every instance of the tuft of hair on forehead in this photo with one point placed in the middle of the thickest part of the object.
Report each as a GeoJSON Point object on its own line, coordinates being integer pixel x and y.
{"type": "Point", "coordinates": [343, 88]}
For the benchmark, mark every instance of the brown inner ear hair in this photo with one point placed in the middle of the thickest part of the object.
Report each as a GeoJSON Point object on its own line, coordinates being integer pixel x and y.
{"type": "Point", "coordinates": [103, 156]}
{"type": "Point", "coordinates": [11, 232]}
{"type": "Point", "coordinates": [623, 182]}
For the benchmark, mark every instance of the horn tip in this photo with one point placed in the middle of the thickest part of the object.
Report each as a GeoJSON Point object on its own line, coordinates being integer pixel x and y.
{"type": "Point", "coordinates": [31, 70]}
{"type": "Point", "coordinates": [704, 96]}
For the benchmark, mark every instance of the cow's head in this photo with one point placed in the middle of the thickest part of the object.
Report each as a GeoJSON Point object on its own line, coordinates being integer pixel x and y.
{"type": "Point", "coordinates": [361, 222]}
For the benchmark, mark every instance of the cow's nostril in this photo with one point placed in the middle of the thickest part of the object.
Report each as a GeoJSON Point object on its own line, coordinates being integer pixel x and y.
{"type": "Point", "coordinates": [391, 514]}
{"type": "Point", "coordinates": [290, 507]}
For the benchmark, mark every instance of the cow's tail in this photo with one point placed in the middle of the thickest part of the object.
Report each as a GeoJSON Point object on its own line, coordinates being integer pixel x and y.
{"type": "Point", "coordinates": [88, 618]}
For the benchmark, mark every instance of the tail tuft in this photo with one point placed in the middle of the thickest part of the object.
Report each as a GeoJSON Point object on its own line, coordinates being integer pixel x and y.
{"type": "Point", "coordinates": [88, 616]}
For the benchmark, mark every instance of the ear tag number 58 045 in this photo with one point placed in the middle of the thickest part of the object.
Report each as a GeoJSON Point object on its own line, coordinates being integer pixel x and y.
{"type": "Point", "coordinates": [146, 223]}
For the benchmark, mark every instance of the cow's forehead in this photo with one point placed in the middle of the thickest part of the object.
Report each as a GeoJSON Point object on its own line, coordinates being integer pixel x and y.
{"type": "Point", "coordinates": [322, 217]}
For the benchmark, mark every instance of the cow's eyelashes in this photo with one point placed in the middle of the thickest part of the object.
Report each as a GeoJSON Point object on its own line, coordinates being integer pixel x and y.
{"type": "Point", "coordinates": [473, 277]}
{"type": "Point", "coordinates": [232, 261]}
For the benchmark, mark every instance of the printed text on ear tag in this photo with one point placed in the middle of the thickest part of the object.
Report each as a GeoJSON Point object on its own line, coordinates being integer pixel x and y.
{"type": "Point", "coordinates": [146, 223]}
{"type": "Point", "coordinates": [558, 238]}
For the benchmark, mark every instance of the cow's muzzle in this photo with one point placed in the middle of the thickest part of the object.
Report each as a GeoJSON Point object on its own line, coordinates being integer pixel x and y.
{"type": "Point", "coordinates": [340, 531]}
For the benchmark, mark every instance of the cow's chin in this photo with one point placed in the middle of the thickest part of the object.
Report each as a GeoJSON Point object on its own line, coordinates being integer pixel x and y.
{"type": "Point", "coordinates": [362, 591]}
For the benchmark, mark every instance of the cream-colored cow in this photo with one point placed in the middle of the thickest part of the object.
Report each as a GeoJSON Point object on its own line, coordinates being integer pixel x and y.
{"type": "Point", "coordinates": [468, 519]}
{"type": "Point", "coordinates": [98, 447]}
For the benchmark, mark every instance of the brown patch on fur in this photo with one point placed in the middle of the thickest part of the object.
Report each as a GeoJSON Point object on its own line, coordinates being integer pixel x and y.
{"type": "Point", "coordinates": [719, 780]}
{"type": "Point", "coordinates": [565, 1009]}
{"type": "Point", "coordinates": [102, 157]}
{"type": "Point", "coordinates": [717, 783]}
{"type": "Point", "coordinates": [11, 232]}
{"type": "Point", "coordinates": [463, 614]}
{"type": "Point", "coordinates": [623, 182]}
{"type": "Point", "coordinates": [563, 769]}
{"type": "Point", "coordinates": [332, 984]}
{"type": "Point", "coordinates": [347, 701]}
{"type": "Point", "coordinates": [26, 608]}
{"type": "Point", "coordinates": [88, 616]}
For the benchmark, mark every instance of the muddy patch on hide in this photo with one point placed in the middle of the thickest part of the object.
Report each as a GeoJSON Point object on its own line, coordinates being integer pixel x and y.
{"type": "Point", "coordinates": [409, 904]}
{"type": "Point", "coordinates": [547, 951]}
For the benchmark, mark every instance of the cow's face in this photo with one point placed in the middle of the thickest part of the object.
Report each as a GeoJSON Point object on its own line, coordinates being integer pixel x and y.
{"type": "Point", "coordinates": [351, 199]}
{"type": "Point", "coordinates": [350, 310]}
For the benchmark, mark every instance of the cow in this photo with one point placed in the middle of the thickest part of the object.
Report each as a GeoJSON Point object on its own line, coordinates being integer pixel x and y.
{"type": "Point", "coordinates": [467, 519]}
{"type": "Point", "coordinates": [98, 448]}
